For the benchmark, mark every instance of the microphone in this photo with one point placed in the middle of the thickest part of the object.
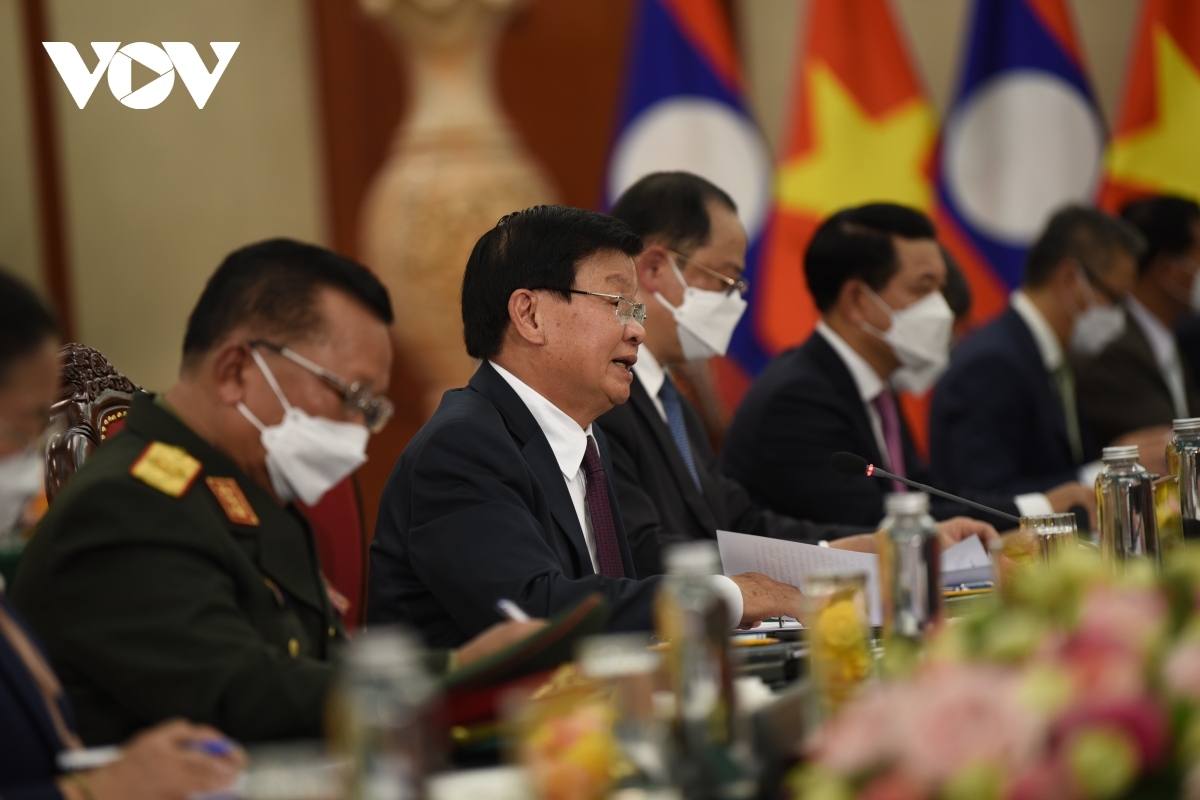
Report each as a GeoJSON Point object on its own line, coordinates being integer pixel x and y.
{"type": "Point", "coordinates": [850, 464]}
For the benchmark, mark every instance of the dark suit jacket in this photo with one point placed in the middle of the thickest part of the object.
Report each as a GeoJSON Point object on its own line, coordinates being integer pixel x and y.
{"type": "Point", "coordinates": [476, 510]}
{"type": "Point", "coordinates": [153, 606]}
{"type": "Point", "coordinates": [1187, 333]}
{"type": "Point", "coordinates": [997, 420]}
{"type": "Point", "coordinates": [1122, 389]}
{"type": "Point", "coordinates": [28, 741]}
{"type": "Point", "coordinates": [802, 409]}
{"type": "Point", "coordinates": [660, 503]}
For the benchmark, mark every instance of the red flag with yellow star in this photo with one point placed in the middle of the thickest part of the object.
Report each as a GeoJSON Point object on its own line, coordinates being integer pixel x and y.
{"type": "Point", "coordinates": [861, 131]}
{"type": "Point", "coordinates": [1153, 148]}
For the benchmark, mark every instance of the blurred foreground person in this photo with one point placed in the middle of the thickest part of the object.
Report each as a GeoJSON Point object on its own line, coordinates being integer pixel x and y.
{"type": "Point", "coordinates": [1140, 379]}
{"type": "Point", "coordinates": [876, 273]}
{"type": "Point", "coordinates": [173, 576]}
{"type": "Point", "coordinates": [508, 491]}
{"type": "Point", "coordinates": [1006, 415]}
{"type": "Point", "coordinates": [36, 719]}
{"type": "Point", "coordinates": [667, 480]}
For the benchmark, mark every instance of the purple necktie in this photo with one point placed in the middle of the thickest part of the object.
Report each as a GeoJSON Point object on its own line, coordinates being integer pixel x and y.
{"type": "Point", "coordinates": [889, 418]}
{"type": "Point", "coordinates": [605, 530]}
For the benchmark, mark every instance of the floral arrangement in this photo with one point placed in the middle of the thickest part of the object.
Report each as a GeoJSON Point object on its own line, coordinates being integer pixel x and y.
{"type": "Point", "coordinates": [1076, 684]}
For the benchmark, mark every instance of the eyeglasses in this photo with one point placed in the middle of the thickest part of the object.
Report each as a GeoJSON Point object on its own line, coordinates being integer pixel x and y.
{"type": "Point", "coordinates": [1114, 297]}
{"type": "Point", "coordinates": [626, 309]}
{"type": "Point", "coordinates": [739, 284]}
{"type": "Point", "coordinates": [376, 409]}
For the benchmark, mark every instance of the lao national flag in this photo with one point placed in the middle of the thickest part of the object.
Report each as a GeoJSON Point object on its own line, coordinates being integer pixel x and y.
{"type": "Point", "coordinates": [682, 109]}
{"type": "Point", "coordinates": [1023, 138]}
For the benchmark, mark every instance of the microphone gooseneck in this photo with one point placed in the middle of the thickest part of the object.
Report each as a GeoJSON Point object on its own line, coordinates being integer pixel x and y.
{"type": "Point", "coordinates": [851, 464]}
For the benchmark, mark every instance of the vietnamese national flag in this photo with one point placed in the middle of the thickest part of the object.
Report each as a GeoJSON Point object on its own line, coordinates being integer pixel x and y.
{"type": "Point", "coordinates": [861, 131]}
{"type": "Point", "coordinates": [1155, 147]}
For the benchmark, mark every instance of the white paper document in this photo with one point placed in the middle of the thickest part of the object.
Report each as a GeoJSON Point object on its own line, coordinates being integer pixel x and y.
{"type": "Point", "coordinates": [793, 562]}
{"type": "Point", "coordinates": [966, 562]}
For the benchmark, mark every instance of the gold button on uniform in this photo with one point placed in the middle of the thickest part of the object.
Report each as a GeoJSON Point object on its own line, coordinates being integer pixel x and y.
{"type": "Point", "coordinates": [332, 632]}
{"type": "Point", "coordinates": [294, 647]}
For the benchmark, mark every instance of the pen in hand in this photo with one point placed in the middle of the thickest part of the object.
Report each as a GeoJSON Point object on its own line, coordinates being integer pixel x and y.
{"type": "Point", "coordinates": [511, 611]}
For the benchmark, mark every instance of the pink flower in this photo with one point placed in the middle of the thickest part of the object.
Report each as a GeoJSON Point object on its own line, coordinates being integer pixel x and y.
{"type": "Point", "coordinates": [1135, 617]}
{"type": "Point", "coordinates": [1102, 666]}
{"type": "Point", "coordinates": [1047, 780]}
{"type": "Point", "coordinates": [967, 716]}
{"type": "Point", "coordinates": [893, 785]}
{"type": "Point", "coordinates": [1182, 670]}
{"type": "Point", "coordinates": [1143, 720]}
{"type": "Point", "coordinates": [865, 732]}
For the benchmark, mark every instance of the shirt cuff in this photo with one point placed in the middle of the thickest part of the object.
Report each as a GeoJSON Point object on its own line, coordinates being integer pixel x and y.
{"type": "Point", "coordinates": [1088, 473]}
{"type": "Point", "coordinates": [1034, 504]}
{"type": "Point", "coordinates": [733, 598]}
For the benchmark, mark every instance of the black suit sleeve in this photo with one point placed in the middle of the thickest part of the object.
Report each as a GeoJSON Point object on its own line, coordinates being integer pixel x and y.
{"type": "Point", "coordinates": [643, 525]}
{"type": "Point", "coordinates": [472, 538]}
{"type": "Point", "coordinates": [977, 417]}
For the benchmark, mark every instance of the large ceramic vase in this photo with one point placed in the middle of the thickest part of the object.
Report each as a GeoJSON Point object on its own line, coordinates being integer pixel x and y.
{"type": "Point", "coordinates": [456, 167]}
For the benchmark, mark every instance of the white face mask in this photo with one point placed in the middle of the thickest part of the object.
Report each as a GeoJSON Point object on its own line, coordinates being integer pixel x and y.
{"type": "Point", "coordinates": [1097, 326]}
{"type": "Point", "coordinates": [920, 338]}
{"type": "Point", "coordinates": [705, 320]}
{"type": "Point", "coordinates": [21, 477]}
{"type": "Point", "coordinates": [306, 455]}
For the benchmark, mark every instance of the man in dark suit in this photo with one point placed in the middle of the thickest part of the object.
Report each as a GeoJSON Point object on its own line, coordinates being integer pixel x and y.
{"type": "Point", "coordinates": [37, 723]}
{"type": "Point", "coordinates": [666, 473]}
{"type": "Point", "coordinates": [1006, 414]}
{"type": "Point", "coordinates": [173, 575]}
{"type": "Point", "coordinates": [1141, 380]}
{"type": "Point", "coordinates": [506, 492]}
{"type": "Point", "coordinates": [875, 273]}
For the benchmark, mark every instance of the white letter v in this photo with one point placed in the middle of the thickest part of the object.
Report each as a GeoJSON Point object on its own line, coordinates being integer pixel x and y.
{"type": "Point", "coordinates": [80, 83]}
{"type": "Point", "coordinates": [196, 77]}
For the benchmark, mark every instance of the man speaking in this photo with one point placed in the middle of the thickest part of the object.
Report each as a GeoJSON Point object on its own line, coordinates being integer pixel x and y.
{"type": "Point", "coordinates": [507, 491]}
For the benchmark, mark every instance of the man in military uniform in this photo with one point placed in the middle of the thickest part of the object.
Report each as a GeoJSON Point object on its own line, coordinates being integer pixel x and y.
{"type": "Point", "coordinates": [173, 576]}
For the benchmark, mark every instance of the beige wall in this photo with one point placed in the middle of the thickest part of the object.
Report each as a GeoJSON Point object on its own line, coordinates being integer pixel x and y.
{"type": "Point", "coordinates": [155, 198]}
{"type": "Point", "coordinates": [20, 252]}
{"type": "Point", "coordinates": [772, 30]}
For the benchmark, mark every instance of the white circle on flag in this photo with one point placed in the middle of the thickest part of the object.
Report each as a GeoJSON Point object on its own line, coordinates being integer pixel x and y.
{"type": "Point", "coordinates": [702, 136]}
{"type": "Point", "coordinates": [1025, 144]}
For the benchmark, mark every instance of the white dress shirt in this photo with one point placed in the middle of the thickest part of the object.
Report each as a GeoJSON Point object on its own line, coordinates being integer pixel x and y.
{"type": "Point", "coordinates": [652, 375]}
{"type": "Point", "coordinates": [568, 442]}
{"type": "Point", "coordinates": [1053, 357]}
{"type": "Point", "coordinates": [1166, 353]}
{"type": "Point", "coordinates": [869, 384]}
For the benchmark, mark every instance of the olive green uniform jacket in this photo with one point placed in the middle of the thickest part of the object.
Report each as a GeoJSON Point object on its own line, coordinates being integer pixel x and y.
{"type": "Point", "coordinates": [154, 606]}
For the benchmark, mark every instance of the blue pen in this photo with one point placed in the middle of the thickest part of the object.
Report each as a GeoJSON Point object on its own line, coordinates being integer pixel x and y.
{"type": "Point", "coordinates": [212, 747]}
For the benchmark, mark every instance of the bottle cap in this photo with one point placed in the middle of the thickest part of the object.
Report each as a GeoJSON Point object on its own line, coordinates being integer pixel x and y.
{"type": "Point", "coordinates": [907, 503]}
{"type": "Point", "coordinates": [693, 558]}
{"type": "Point", "coordinates": [1189, 424]}
{"type": "Point", "coordinates": [1119, 453]}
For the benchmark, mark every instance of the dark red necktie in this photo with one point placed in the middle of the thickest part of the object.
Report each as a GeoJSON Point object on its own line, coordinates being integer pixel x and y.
{"type": "Point", "coordinates": [605, 530]}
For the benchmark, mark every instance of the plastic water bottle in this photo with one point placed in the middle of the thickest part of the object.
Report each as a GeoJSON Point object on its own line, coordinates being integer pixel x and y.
{"type": "Point", "coordinates": [1125, 507]}
{"type": "Point", "coordinates": [1183, 462]}
{"type": "Point", "coordinates": [382, 717]}
{"type": "Point", "coordinates": [910, 567]}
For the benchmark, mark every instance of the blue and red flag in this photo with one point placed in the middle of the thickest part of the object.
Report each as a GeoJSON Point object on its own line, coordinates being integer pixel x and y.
{"type": "Point", "coordinates": [1022, 138]}
{"type": "Point", "coordinates": [683, 109]}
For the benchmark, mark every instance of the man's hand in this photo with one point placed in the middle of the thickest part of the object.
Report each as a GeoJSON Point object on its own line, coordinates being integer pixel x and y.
{"type": "Point", "coordinates": [496, 638]}
{"type": "Point", "coordinates": [953, 531]}
{"type": "Point", "coordinates": [163, 763]}
{"type": "Point", "coordinates": [763, 598]}
{"type": "Point", "coordinates": [1062, 498]}
{"type": "Point", "coordinates": [1152, 446]}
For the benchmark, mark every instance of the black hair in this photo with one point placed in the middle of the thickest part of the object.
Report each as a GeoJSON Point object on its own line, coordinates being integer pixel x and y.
{"type": "Point", "coordinates": [956, 291]}
{"type": "Point", "coordinates": [856, 243]}
{"type": "Point", "coordinates": [671, 205]}
{"type": "Point", "coordinates": [539, 248]}
{"type": "Point", "coordinates": [274, 284]}
{"type": "Point", "coordinates": [26, 324]}
{"type": "Point", "coordinates": [1085, 234]}
{"type": "Point", "coordinates": [1165, 223]}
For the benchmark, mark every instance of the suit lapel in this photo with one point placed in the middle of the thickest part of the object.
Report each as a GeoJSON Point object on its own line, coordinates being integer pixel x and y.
{"type": "Point", "coordinates": [1042, 380]}
{"type": "Point", "coordinates": [535, 449]}
{"type": "Point", "coordinates": [14, 673]}
{"type": "Point", "coordinates": [643, 406]}
{"type": "Point", "coordinates": [1135, 339]}
{"type": "Point", "coordinates": [838, 373]}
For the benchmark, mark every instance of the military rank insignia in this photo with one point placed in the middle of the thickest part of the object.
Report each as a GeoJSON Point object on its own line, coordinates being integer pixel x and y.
{"type": "Point", "coordinates": [167, 468]}
{"type": "Point", "coordinates": [233, 501]}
